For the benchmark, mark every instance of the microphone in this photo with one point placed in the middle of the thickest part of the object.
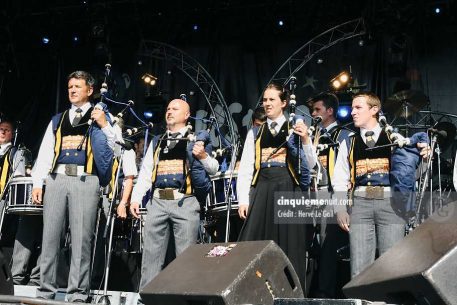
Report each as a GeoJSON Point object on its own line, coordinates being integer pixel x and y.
{"type": "Point", "coordinates": [317, 120]}
{"type": "Point", "coordinates": [292, 84]}
{"type": "Point", "coordinates": [100, 106]}
{"type": "Point", "coordinates": [441, 133]}
{"type": "Point", "coordinates": [183, 97]}
{"type": "Point", "coordinates": [382, 119]}
{"type": "Point", "coordinates": [120, 115]}
{"type": "Point", "coordinates": [128, 145]}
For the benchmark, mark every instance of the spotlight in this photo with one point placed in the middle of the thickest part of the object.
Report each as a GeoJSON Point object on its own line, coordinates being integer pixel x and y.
{"type": "Point", "coordinates": [148, 114]}
{"type": "Point", "coordinates": [343, 112]}
{"type": "Point", "coordinates": [361, 43]}
{"type": "Point", "coordinates": [280, 23]}
{"type": "Point", "coordinates": [149, 79]}
{"type": "Point", "coordinates": [195, 27]}
{"type": "Point", "coordinates": [336, 84]}
{"type": "Point", "coordinates": [75, 38]}
{"type": "Point", "coordinates": [344, 78]}
{"type": "Point", "coordinates": [320, 60]}
{"type": "Point", "coordinates": [341, 80]}
{"type": "Point", "coordinates": [139, 63]}
{"type": "Point", "coordinates": [45, 40]}
{"type": "Point", "coordinates": [437, 10]}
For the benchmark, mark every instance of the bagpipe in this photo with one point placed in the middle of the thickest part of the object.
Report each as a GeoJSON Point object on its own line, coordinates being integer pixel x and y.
{"type": "Point", "coordinates": [404, 161]}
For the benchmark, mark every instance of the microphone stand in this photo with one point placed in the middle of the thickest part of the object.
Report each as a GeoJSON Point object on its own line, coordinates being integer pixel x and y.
{"type": "Point", "coordinates": [104, 299]}
{"type": "Point", "coordinates": [425, 181]}
{"type": "Point", "coordinates": [229, 191]}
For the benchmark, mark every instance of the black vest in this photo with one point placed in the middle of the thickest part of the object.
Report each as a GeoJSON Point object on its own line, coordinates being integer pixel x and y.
{"type": "Point", "coordinates": [371, 167]}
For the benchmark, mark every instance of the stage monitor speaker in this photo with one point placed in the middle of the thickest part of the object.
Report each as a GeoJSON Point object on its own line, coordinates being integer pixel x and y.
{"type": "Point", "coordinates": [6, 279]}
{"type": "Point", "coordinates": [323, 302]}
{"type": "Point", "coordinates": [252, 272]}
{"type": "Point", "coordinates": [420, 269]}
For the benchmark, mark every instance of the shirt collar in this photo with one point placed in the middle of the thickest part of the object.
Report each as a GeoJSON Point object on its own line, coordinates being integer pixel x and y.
{"type": "Point", "coordinates": [280, 120]}
{"type": "Point", "coordinates": [4, 147]}
{"type": "Point", "coordinates": [84, 108]}
{"type": "Point", "coordinates": [182, 131]}
{"type": "Point", "coordinates": [329, 127]}
{"type": "Point", "coordinates": [377, 131]}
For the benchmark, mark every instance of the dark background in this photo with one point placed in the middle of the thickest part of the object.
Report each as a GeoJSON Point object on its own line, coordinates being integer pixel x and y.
{"type": "Point", "coordinates": [240, 43]}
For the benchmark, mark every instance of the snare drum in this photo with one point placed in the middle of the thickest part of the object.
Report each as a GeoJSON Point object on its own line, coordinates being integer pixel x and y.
{"type": "Point", "coordinates": [19, 198]}
{"type": "Point", "coordinates": [216, 200]}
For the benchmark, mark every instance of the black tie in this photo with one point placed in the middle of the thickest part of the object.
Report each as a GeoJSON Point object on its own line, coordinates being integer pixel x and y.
{"type": "Point", "coordinates": [369, 139]}
{"type": "Point", "coordinates": [173, 143]}
{"type": "Point", "coordinates": [77, 118]}
{"type": "Point", "coordinates": [272, 128]}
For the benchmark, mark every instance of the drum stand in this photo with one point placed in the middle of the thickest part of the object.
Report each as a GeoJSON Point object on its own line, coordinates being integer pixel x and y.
{"type": "Point", "coordinates": [104, 298]}
{"type": "Point", "coordinates": [228, 192]}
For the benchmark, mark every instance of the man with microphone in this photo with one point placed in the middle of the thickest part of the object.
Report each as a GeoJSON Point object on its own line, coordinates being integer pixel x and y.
{"type": "Point", "coordinates": [72, 161]}
{"type": "Point", "coordinates": [175, 170]}
{"type": "Point", "coordinates": [324, 108]}
{"type": "Point", "coordinates": [371, 220]}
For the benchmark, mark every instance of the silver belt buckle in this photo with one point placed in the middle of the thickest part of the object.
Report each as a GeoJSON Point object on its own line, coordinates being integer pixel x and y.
{"type": "Point", "coordinates": [71, 169]}
{"type": "Point", "coordinates": [374, 192]}
{"type": "Point", "coordinates": [166, 194]}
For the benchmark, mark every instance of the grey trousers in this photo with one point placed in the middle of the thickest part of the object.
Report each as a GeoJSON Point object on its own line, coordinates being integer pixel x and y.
{"type": "Point", "coordinates": [80, 196]}
{"type": "Point", "coordinates": [182, 217]}
{"type": "Point", "coordinates": [27, 246]}
{"type": "Point", "coordinates": [373, 224]}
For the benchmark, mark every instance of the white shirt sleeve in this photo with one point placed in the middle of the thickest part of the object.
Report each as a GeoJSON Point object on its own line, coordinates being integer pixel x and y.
{"type": "Point", "coordinates": [246, 169]}
{"type": "Point", "coordinates": [341, 174]}
{"type": "Point", "coordinates": [144, 181]}
{"type": "Point", "coordinates": [129, 163]}
{"type": "Point", "coordinates": [454, 178]}
{"type": "Point", "coordinates": [19, 163]}
{"type": "Point", "coordinates": [45, 157]}
{"type": "Point", "coordinates": [310, 155]}
{"type": "Point", "coordinates": [110, 134]}
{"type": "Point", "coordinates": [210, 165]}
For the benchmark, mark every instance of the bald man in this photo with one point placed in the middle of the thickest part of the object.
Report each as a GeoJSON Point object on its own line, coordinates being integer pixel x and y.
{"type": "Point", "coordinates": [173, 207]}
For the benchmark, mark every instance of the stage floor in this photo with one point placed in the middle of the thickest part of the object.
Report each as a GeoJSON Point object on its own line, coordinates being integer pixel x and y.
{"type": "Point", "coordinates": [115, 297]}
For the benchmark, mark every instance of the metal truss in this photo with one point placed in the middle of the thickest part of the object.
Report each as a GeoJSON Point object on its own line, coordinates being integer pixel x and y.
{"type": "Point", "coordinates": [200, 77]}
{"type": "Point", "coordinates": [323, 41]}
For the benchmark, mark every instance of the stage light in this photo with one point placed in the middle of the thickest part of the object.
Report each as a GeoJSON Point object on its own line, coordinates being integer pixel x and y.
{"type": "Point", "coordinates": [336, 84]}
{"type": "Point", "coordinates": [195, 27]}
{"type": "Point", "coordinates": [437, 10]}
{"type": "Point", "coordinates": [320, 60]}
{"type": "Point", "coordinates": [344, 112]}
{"type": "Point", "coordinates": [148, 114]}
{"type": "Point", "coordinates": [45, 40]}
{"type": "Point", "coordinates": [280, 23]}
{"type": "Point", "coordinates": [341, 80]}
{"type": "Point", "coordinates": [361, 43]}
{"type": "Point", "coordinates": [344, 78]}
{"type": "Point", "coordinates": [139, 63]}
{"type": "Point", "coordinates": [149, 79]}
{"type": "Point", "coordinates": [75, 38]}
